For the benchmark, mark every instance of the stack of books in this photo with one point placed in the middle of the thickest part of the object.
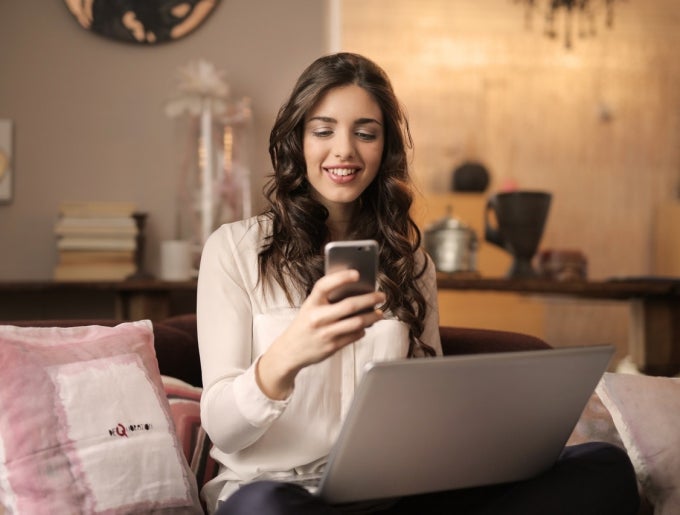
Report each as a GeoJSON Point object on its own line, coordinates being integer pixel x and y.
{"type": "Point", "coordinates": [95, 241]}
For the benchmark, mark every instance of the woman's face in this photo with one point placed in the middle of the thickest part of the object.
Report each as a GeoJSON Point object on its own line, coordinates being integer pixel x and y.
{"type": "Point", "coordinates": [343, 143]}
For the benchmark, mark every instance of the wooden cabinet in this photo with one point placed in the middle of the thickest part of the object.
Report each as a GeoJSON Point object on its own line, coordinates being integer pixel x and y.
{"type": "Point", "coordinates": [667, 239]}
{"type": "Point", "coordinates": [122, 300]}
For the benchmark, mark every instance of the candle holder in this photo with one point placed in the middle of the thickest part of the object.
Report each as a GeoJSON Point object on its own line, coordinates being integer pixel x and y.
{"type": "Point", "coordinates": [140, 244]}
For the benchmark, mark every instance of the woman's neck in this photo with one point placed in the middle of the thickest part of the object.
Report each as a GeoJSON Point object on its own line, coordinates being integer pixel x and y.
{"type": "Point", "coordinates": [337, 230]}
{"type": "Point", "coordinates": [339, 221]}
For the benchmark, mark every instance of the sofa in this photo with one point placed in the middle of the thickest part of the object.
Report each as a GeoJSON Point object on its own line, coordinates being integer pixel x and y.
{"type": "Point", "coordinates": [174, 347]}
{"type": "Point", "coordinates": [176, 342]}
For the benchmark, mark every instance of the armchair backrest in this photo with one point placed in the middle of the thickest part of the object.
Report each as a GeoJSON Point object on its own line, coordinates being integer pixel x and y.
{"type": "Point", "coordinates": [465, 340]}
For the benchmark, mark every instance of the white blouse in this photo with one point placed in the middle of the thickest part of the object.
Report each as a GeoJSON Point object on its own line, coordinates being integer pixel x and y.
{"type": "Point", "coordinates": [254, 436]}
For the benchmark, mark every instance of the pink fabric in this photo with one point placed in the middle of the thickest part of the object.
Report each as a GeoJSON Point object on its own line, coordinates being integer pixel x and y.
{"type": "Point", "coordinates": [185, 409]}
{"type": "Point", "coordinates": [186, 412]}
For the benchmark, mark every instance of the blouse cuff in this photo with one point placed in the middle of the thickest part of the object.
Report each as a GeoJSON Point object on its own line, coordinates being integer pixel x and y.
{"type": "Point", "coordinates": [258, 409]}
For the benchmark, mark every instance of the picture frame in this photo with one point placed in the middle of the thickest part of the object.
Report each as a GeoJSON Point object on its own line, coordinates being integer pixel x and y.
{"type": "Point", "coordinates": [6, 165]}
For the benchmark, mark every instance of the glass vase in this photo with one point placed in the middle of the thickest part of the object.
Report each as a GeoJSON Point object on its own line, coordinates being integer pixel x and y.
{"type": "Point", "coordinates": [214, 181]}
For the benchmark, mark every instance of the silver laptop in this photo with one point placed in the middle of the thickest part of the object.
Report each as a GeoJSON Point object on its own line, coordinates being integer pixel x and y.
{"type": "Point", "coordinates": [424, 425]}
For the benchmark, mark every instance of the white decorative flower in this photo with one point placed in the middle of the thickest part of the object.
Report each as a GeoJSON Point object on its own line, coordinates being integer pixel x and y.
{"type": "Point", "coordinates": [202, 78]}
{"type": "Point", "coordinates": [199, 82]}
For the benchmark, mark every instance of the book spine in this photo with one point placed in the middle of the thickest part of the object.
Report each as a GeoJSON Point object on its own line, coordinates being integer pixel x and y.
{"type": "Point", "coordinates": [79, 243]}
{"type": "Point", "coordinates": [94, 272]}
{"type": "Point", "coordinates": [108, 232]}
{"type": "Point", "coordinates": [97, 209]}
{"type": "Point", "coordinates": [85, 257]}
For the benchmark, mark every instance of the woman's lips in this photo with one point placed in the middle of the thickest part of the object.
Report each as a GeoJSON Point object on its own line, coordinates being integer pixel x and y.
{"type": "Point", "coordinates": [341, 175]}
{"type": "Point", "coordinates": [342, 171]}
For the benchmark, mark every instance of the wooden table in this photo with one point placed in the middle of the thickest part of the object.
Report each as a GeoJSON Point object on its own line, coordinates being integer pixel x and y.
{"type": "Point", "coordinates": [654, 343]}
{"type": "Point", "coordinates": [133, 299]}
{"type": "Point", "coordinates": [654, 304]}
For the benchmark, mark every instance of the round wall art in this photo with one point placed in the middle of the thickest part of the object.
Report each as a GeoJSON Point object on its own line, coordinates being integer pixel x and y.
{"type": "Point", "coordinates": [145, 22]}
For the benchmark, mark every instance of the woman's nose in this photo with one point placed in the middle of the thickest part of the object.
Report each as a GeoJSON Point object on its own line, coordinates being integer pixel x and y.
{"type": "Point", "coordinates": [344, 147]}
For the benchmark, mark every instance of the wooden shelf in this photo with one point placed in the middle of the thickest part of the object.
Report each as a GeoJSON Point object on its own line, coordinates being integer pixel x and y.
{"type": "Point", "coordinates": [654, 342]}
{"type": "Point", "coordinates": [612, 289]}
{"type": "Point", "coordinates": [131, 300]}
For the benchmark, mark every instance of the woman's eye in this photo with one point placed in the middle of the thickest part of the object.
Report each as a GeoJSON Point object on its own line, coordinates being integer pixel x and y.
{"type": "Point", "coordinates": [322, 133]}
{"type": "Point", "coordinates": [366, 136]}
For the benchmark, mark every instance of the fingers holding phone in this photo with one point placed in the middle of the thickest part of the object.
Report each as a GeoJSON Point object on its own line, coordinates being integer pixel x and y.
{"type": "Point", "coordinates": [359, 255]}
{"type": "Point", "coordinates": [340, 307]}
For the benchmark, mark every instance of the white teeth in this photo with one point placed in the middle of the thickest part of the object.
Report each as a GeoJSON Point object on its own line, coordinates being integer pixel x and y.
{"type": "Point", "coordinates": [342, 171]}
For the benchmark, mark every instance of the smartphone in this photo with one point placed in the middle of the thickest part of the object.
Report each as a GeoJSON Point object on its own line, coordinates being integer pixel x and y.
{"type": "Point", "coordinates": [361, 255]}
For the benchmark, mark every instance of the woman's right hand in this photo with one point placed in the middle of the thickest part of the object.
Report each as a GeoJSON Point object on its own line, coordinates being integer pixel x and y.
{"type": "Point", "coordinates": [320, 329]}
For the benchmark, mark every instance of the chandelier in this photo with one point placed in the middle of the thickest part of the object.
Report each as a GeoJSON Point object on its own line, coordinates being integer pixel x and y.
{"type": "Point", "coordinates": [571, 15]}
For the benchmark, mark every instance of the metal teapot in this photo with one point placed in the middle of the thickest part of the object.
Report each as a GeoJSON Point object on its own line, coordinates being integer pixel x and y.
{"type": "Point", "coordinates": [451, 244]}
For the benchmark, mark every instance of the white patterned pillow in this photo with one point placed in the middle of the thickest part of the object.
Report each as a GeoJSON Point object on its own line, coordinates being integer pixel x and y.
{"type": "Point", "coordinates": [595, 425]}
{"type": "Point", "coordinates": [646, 412]}
{"type": "Point", "coordinates": [85, 426]}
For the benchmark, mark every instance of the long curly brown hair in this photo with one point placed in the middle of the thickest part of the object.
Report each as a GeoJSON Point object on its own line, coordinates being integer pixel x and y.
{"type": "Point", "coordinates": [292, 255]}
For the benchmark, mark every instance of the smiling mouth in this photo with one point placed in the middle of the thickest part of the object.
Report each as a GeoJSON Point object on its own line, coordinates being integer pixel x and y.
{"type": "Point", "coordinates": [342, 172]}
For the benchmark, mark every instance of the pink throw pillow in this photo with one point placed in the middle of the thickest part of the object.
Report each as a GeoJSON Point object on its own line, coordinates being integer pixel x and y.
{"type": "Point", "coordinates": [85, 426]}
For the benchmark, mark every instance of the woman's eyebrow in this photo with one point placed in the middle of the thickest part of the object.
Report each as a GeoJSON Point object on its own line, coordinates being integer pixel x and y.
{"type": "Point", "coordinates": [328, 119]}
{"type": "Point", "coordinates": [364, 121]}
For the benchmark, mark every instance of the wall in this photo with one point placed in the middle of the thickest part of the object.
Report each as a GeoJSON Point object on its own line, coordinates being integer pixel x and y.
{"type": "Point", "coordinates": [597, 125]}
{"type": "Point", "coordinates": [88, 111]}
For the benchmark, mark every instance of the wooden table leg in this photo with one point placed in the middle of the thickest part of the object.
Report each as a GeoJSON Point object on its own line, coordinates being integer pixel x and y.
{"type": "Point", "coordinates": [655, 336]}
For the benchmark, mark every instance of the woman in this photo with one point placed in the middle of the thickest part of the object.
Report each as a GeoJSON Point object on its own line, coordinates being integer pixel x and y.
{"type": "Point", "coordinates": [280, 362]}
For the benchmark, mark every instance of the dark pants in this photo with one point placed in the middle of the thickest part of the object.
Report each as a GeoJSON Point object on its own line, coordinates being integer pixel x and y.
{"type": "Point", "coordinates": [593, 478]}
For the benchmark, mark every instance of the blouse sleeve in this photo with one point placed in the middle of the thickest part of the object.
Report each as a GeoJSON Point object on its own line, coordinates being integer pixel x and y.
{"type": "Point", "coordinates": [234, 411]}
{"type": "Point", "coordinates": [428, 287]}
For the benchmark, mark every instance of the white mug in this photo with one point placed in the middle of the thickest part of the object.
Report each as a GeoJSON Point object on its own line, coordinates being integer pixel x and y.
{"type": "Point", "coordinates": [176, 260]}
